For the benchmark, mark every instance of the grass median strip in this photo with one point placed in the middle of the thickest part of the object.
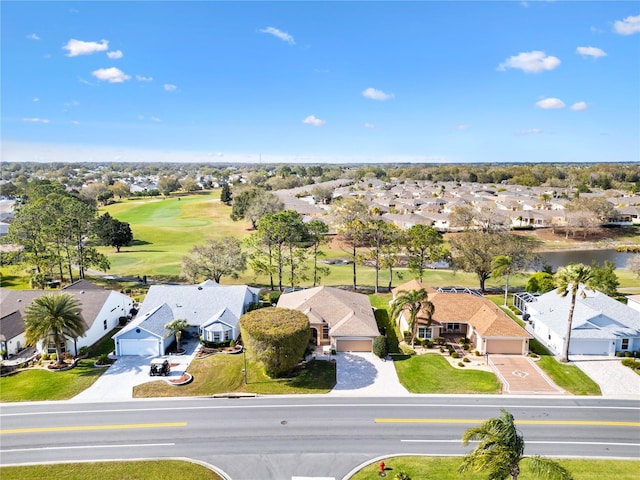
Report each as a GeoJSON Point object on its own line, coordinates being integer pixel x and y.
{"type": "Point", "coordinates": [93, 427]}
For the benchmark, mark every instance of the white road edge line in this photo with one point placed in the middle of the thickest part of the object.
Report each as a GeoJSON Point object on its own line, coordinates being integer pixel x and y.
{"type": "Point", "coordinates": [80, 447]}
{"type": "Point", "coordinates": [534, 441]}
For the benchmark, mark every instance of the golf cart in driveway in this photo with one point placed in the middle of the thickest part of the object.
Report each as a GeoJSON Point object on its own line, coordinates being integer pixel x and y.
{"type": "Point", "coordinates": [159, 366]}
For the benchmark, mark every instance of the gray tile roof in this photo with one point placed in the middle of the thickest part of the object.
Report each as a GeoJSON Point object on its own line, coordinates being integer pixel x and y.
{"type": "Point", "coordinates": [11, 326]}
{"type": "Point", "coordinates": [595, 316]}
{"type": "Point", "coordinates": [152, 321]}
{"type": "Point", "coordinates": [197, 303]}
{"type": "Point", "coordinates": [223, 317]}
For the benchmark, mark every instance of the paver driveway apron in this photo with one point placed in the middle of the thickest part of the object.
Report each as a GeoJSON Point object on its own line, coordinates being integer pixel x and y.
{"type": "Point", "coordinates": [520, 375]}
{"type": "Point", "coordinates": [118, 381]}
{"type": "Point", "coordinates": [364, 374]}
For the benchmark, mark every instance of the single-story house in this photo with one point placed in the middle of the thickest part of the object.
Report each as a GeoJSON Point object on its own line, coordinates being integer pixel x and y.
{"type": "Point", "coordinates": [101, 311]}
{"type": "Point", "coordinates": [338, 318]}
{"type": "Point", "coordinates": [462, 314]}
{"type": "Point", "coordinates": [601, 325]}
{"type": "Point", "coordinates": [633, 301]}
{"type": "Point", "coordinates": [12, 338]}
{"type": "Point", "coordinates": [211, 310]}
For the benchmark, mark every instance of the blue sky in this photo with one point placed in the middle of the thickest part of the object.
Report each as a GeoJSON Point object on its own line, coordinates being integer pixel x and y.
{"type": "Point", "coordinates": [449, 81]}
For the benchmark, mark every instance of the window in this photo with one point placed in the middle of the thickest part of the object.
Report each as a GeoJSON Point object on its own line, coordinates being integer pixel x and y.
{"type": "Point", "coordinates": [51, 347]}
{"type": "Point", "coordinates": [104, 324]}
{"type": "Point", "coordinates": [325, 331]}
{"type": "Point", "coordinates": [216, 336]}
{"type": "Point", "coordinates": [227, 335]}
{"type": "Point", "coordinates": [424, 332]}
{"type": "Point", "coordinates": [625, 344]}
{"type": "Point", "coordinates": [453, 327]}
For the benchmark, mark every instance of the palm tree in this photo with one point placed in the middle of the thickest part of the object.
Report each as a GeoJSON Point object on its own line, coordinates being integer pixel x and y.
{"type": "Point", "coordinates": [568, 280]}
{"type": "Point", "coordinates": [176, 327]}
{"type": "Point", "coordinates": [503, 265]}
{"type": "Point", "coordinates": [52, 318]}
{"type": "Point", "coordinates": [500, 451]}
{"type": "Point", "coordinates": [414, 301]}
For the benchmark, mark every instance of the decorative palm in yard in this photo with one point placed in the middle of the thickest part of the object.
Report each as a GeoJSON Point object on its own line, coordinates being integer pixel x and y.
{"type": "Point", "coordinates": [53, 318]}
{"type": "Point", "coordinates": [568, 280]}
{"type": "Point", "coordinates": [500, 451]}
{"type": "Point", "coordinates": [503, 265]}
{"type": "Point", "coordinates": [415, 301]}
{"type": "Point", "coordinates": [176, 327]}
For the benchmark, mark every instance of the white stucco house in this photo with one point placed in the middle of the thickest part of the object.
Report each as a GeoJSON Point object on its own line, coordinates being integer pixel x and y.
{"type": "Point", "coordinates": [101, 311]}
{"type": "Point", "coordinates": [601, 325]}
{"type": "Point", "coordinates": [633, 301]}
{"type": "Point", "coordinates": [211, 310]}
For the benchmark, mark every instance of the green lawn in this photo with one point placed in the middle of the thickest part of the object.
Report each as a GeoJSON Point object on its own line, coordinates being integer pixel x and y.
{"type": "Point", "coordinates": [134, 470]}
{"type": "Point", "coordinates": [431, 373]}
{"type": "Point", "coordinates": [222, 373]}
{"type": "Point", "coordinates": [41, 384]}
{"type": "Point", "coordinates": [445, 468]}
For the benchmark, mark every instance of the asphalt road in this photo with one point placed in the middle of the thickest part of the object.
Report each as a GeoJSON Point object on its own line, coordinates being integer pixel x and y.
{"type": "Point", "coordinates": [282, 437]}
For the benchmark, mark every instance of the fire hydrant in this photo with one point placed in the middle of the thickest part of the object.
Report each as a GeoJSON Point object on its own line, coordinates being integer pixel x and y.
{"type": "Point", "coordinates": [382, 472]}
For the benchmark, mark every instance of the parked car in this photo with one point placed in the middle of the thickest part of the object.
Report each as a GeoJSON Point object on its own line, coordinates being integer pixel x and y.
{"type": "Point", "coordinates": [159, 366]}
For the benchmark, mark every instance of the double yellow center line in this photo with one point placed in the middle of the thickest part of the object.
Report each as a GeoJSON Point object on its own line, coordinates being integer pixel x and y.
{"type": "Point", "coordinates": [93, 427]}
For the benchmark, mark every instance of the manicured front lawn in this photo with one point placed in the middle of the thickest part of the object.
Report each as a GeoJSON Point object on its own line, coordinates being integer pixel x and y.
{"type": "Point", "coordinates": [222, 373]}
{"type": "Point", "coordinates": [446, 468]}
{"type": "Point", "coordinates": [135, 470]}
{"type": "Point", "coordinates": [431, 373]}
{"type": "Point", "coordinates": [42, 384]}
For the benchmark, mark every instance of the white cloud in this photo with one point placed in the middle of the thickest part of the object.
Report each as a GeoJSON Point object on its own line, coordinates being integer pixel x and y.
{"type": "Point", "coordinates": [111, 75]}
{"type": "Point", "coordinates": [628, 26]}
{"type": "Point", "coordinates": [313, 120]}
{"type": "Point", "coordinates": [593, 29]}
{"type": "Point", "coordinates": [75, 122]}
{"type": "Point", "coordinates": [548, 103]}
{"type": "Point", "coordinates": [140, 78]}
{"type": "Point", "coordinates": [463, 126]}
{"type": "Point", "coordinates": [369, 125]}
{"type": "Point", "coordinates": [154, 119]}
{"type": "Point", "coordinates": [591, 52]}
{"type": "Point", "coordinates": [279, 34]}
{"type": "Point", "coordinates": [35, 120]}
{"type": "Point", "coordinates": [78, 47]}
{"type": "Point", "coordinates": [115, 54]}
{"type": "Point", "coordinates": [375, 94]}
{"type": "Point", "coordinates": [33, 36]}
{"type": "Point", "coordinates": [579, 106]}
{"type": "Point", "coordinates": [530, 62]}
{"type": "Point", "coordinates": [169, 88]}
{"type": "Point", "coordinates": [530, 131]}
{"type": "Point", "coordinates": [36, 99]}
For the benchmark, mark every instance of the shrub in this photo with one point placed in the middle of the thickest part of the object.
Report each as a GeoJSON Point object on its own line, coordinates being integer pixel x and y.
{"type": "Point", "coordinates": [407, 350]}
{"type": "Point", "coordinates": [631, 363]}
{"type": "Point", "coordinates": [463, 341]}
{"type": "Point", "coordinates": [466, 360]}
{"type": "Point", "coordinates": [618, 354]}
{"type": "Point", "coordinates": [103, 359]}
{"type": "Point", "coordinates": [380, 346]}
{"type": "Point", "coordinates": [466, 347]}
{"type": "Point", "coordinates": [534, 355]}
{"type": "Point", "coordinates": [84, 350]}
{"type": "Point", "coordinates": [429, 344]}
{"type": "Point", "coordinates": [402, 476]}
{"type": "Point", "coordinates": [274, 297]}
{"type": "Point", "coordinates": [441, 350]}
{"type": "Point", "coordinates": [407, 336]}
{"type": "Point", "coordinates": [477, 353]}
{"type": "Point", "coordinates": [277, 337]}
{"type": "Point", "coordinates": [454, 355]}
{"type": "Point", "coordinates": [66, 356]}
{"type": "Point", "coordinates": [628, 354]}
{"type": "Point", "coordinates": [45, 356]}
{"type": "Point", "coordinates": [232, 343]}
{"type": "Point", "coordinates": [439, 340]}
{"type": "Point", "coordinates": [53, 356]}
{"type": "Point", "coordinates": [460, 364]}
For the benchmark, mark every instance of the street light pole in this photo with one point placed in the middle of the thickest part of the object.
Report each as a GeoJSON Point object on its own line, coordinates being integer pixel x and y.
{"type": "Point", "coordinates": [244, 370]}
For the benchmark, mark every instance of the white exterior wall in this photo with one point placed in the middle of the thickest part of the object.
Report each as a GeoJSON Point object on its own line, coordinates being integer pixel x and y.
{"type": "Point", "coordinates": [13, 345]}
{"type": "Point", "coordinates": [117, 305]}
{"type": "Point", "coordinates": [633, 303]}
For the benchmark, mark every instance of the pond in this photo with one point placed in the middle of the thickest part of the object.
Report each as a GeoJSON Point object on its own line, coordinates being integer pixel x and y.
{"type": "Point", "coordinates": [562, 258]}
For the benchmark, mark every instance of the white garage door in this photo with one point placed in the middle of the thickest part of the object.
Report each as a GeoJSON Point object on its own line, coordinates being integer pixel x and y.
{"type": "Point", "coordinates": [139, 347]}
{"type": "Point", "coordinates": [589, 347]}
{"type": "Point", "coordinates": [354, 345]}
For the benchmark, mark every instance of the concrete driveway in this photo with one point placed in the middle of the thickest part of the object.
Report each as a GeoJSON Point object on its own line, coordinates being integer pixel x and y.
{"type": "Point", "coordinates": [363, 374]}
{"type": "Point", "coordinates": [614, 379]}
{"type": "Point", "coordinates": [521, 376]}
{"type": "Point", "coordinates": [118, 381]}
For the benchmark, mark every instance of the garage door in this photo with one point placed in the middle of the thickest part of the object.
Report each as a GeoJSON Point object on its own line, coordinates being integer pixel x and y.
{"type": "Point", "coordinates": [139, 347]}
{"type": "Point", "coordinates": [589, 347]}
{"type": "Point", "coordinates": [504, 346]}
{"type": "Point", "coordinates": [354, 345]}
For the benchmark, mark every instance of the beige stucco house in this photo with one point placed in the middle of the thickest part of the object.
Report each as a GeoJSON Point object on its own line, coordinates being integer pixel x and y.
{"type": "Point", "coordinates": [339, 319]}
{"type": "Point", "coordinates": [459, 315]}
